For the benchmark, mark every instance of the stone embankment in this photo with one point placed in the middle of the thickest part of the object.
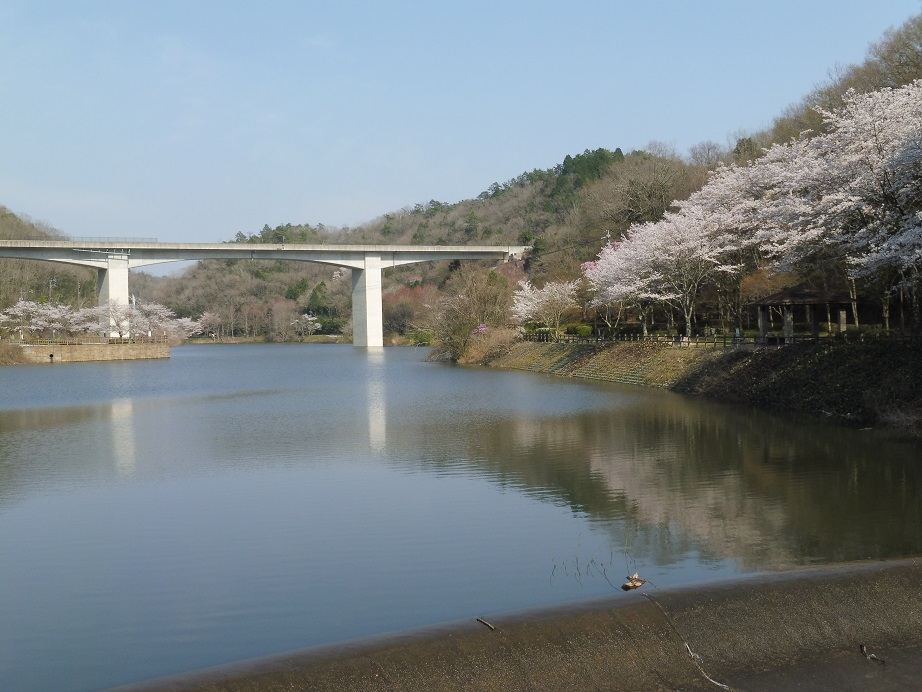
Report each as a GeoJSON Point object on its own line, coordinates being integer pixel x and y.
{"type": "Point", "coordinates": [638, 363]}
{"type": "Point", "coordinates": [865, 382]}
{"type": "Point", "coordinates": [77, 353]}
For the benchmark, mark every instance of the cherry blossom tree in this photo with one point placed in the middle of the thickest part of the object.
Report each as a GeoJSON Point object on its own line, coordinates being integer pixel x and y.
{"type": "Point", "coordinates": [306, 325]}
{"type": "Point", "coordinates": [19, 317]}
{"type": "Point", "coordinates": [51, 319]}
{"type": "Point", "coordinates": [848, 199]}
{"type": "Point", "coordinates": [620, 276]}
{"type": "Point", "coordinates": [186, 327]}
{"type": "Point", "coordinates": [151, 318]}
{"type": "Point", "coordinates": [89, 319]}
{"type": "Point", "coordinates": [116, 319]}
{"type": "Point", "coordinates": [211, 324]}
{"type": "Point", "coordinates": [872, 200]}
{"type": "Point", "coordinates": [55, 319]}
{"type": "Point", "coordinates": [547, 304]}
{"type": "Point", "coordinates": [666, 261]}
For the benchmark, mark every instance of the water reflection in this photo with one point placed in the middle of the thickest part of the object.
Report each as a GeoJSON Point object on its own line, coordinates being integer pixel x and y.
{"type": "Point", "coordinates": [764, 490]}
{"type": "Point", "coordinates": [376, 401]}
{"type": "Point", "coordinates": [121, 425]}
{"type": "Point", "coordinates": [231, 497]}
{"type": "Point", "coordinates": [42, 449]}
{"type": "Point", "coordinates": [664, 473]}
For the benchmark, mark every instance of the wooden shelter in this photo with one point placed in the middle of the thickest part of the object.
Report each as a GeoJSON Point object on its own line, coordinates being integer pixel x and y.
{"type": "Point", "coordinates": [808, 298]}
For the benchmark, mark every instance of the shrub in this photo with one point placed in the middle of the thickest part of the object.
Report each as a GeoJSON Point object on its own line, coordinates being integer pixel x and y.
{"type": "Point", "coordinates": [420, 337]}
{"type": "Point", "coordinates": [580, 330]}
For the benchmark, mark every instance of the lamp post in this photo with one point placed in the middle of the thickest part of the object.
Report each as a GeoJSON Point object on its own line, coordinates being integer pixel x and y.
{"type": "Point", "coordinates": [22, 298]}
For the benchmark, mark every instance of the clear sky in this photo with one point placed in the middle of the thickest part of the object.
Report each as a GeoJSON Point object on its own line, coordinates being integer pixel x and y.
{"type": "Point", "coordinates": [191, 120]}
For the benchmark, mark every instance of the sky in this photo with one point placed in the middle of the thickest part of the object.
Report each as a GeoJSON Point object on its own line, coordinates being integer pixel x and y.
{"type": "Point", "coordinates": [188, 121]}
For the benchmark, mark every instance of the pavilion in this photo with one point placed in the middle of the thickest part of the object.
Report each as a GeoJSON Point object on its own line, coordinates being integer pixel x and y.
{"type": "Point", "coordinates": [810, 300]}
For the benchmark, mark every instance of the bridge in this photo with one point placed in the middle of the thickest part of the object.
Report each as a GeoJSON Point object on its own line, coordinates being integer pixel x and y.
{"type": "Point", "coordinates": [113, 259]}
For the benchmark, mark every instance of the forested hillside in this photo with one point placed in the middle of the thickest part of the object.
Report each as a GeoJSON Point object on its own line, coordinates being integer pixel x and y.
{"type": "Point", "coordinates": [563, 212]}
{"type": "Point", "coordinates": [567, 212]}
{"type": "Point", "coordinates": [40, 281]}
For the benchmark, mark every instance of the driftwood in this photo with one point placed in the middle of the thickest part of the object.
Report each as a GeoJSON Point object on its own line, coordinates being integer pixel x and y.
{"type": "Point", "coordinates": [484, 622]}
{"type": "Point", "coordinates": [868, 655]}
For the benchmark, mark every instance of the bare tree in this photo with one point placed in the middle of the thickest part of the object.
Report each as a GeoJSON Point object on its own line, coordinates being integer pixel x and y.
{"type": "Point", "coordinates": [473, 298]}
{"type": "Point", "coordinates": [706, 154]}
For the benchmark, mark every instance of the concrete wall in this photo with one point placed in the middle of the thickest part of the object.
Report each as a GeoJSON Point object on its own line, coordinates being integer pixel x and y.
{"type": "Point", "coordinates": [58, 353]}
{"type": "Point", "coordinates": [796, 630]}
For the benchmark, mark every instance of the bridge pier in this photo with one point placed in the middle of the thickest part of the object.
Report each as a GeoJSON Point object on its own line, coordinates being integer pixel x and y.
{"type": "Point", "coordinates": [112, 289]}
{"type": "Point", "coordinates": [367, 310]}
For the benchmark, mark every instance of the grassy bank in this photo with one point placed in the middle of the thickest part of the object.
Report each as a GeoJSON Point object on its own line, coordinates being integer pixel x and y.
{"type": "Point", "coordinates": [869, 383]}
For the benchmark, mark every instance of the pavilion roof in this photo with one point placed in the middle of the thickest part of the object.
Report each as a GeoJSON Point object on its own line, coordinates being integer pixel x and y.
{"type": "Point", "coordinates": [803, 295]}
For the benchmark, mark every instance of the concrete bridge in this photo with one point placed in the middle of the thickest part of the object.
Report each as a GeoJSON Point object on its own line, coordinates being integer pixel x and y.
{"type": "Point", "coordinates": [113, 258]}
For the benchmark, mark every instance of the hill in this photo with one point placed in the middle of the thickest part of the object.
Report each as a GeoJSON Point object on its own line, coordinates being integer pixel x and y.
{"type": "Point", "coordinates": [40, 281]}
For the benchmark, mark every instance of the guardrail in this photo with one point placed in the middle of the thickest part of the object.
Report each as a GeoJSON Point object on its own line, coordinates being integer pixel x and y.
{"type": "Point", "coordinates": [107, 239]}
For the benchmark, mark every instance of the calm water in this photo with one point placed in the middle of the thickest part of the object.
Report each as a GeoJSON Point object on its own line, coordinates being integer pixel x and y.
{"type": "Point", "coordinates": [238, 501]}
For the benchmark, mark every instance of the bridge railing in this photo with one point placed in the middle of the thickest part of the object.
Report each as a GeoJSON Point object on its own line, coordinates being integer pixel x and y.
{"type": "Point", "coordinates": [108, 239]}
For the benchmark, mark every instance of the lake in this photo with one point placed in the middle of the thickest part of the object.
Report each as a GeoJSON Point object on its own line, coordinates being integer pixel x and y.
{"type": "Point", "coordinates": [239, 501]}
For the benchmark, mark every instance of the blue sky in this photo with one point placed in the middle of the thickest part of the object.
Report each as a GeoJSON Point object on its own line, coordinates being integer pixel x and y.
{"type": "Point", "coordinates": [189, 121]}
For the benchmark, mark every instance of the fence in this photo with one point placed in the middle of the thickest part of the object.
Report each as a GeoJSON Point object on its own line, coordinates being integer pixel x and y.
{"type": "Point", "coordinates": [86, 340]}
{"type": "Point", "coordinates": [719, 341]}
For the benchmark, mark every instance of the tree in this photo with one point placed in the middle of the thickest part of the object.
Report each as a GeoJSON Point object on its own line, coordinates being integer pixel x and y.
{"type": "Point", "coordinates": [89, 319]}
{"type": "Point", "coordinates": [618, 277]}
{"type": "Point", "coordinates": [848, 200]}
{"type": "Point", "coordinates": [547, 304]}
{"type": "Point", "coordinates": [318, 302]}
{"type": "Point", "coordinates": [51, 318]}
{"type": "Point", "coordinates": [119, 318]}
{"type": "Point", "coordinates": [211, 325]}
{"type": "Point", "coordinates": [897, 57]}
{"type": "Point", "coordinates": [398, 316]}
{"type": "Point", "coordinates": [667, 261]}
{"type": "Point", "coordinates": [640, 189]}
{"type": "Point", "coordinates": [306, 325]}
{"type": "Point", "coordinates": [295, 290]}
{"type": "Point", "coordinates": [472, 297]}
{"type": "Point", "coordinates": [851, 195]}
{"type": "Point", "coordinates": [745, 150]}
{"type": "Point", "coordinates": [186, 327]}
{"type": "Point", "coordinates": [20, 317]}
{"type": "Point", "coordinates": [57, 319]}
{"type": "Point", "coordinates": [707, 154]}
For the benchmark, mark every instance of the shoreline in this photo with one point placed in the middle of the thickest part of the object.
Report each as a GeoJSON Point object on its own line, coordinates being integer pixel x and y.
{"type": "Point", "coordinates": [858, 383]}
{"type": "Point", "coordinates": [793, 630]}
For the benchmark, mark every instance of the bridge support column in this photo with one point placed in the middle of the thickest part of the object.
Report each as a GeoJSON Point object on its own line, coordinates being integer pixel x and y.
{"type": "Point", "coordinates": [112, 289]}
{"type": "Point", "coordinates": [367, 311]}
